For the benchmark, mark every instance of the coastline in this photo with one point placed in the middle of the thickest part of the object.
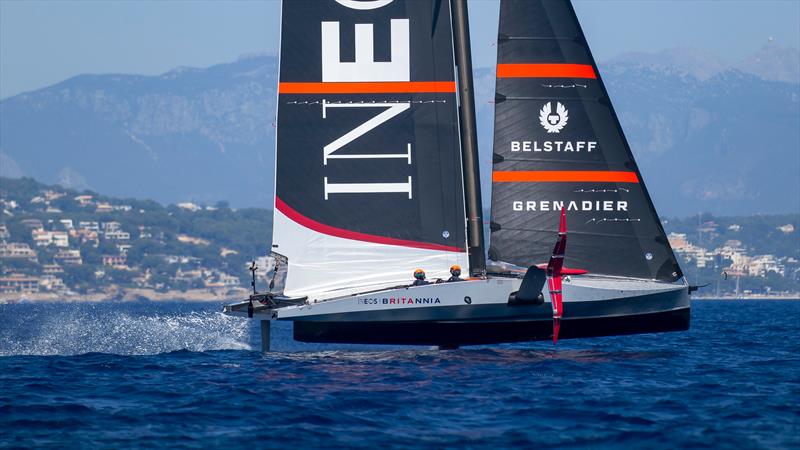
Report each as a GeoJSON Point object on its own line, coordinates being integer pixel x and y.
{"type": "Point", "coordinates": [130, 295]}
{"type": "Point", "coordinates": [239, 294]}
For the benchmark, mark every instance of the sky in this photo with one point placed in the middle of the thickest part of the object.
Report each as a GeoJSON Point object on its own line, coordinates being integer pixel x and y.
{"type": "Point", "coordinates": [43, 42]}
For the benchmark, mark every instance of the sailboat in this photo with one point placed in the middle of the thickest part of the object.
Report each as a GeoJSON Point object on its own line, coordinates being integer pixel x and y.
{"type": "Point", "coordinates": [377, 175]}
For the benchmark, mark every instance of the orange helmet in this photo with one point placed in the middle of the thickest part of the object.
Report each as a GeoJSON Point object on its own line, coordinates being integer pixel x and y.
{"type": "Point", "coordinates": [455, 269]}
{"type": "Point", "coordinates": [419, 274]}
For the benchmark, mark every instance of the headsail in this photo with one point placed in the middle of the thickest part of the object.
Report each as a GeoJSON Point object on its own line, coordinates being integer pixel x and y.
{"type": "Point", "coordinates": [558, 143]}
{"type": "Point", "coordinates": [369, 181]}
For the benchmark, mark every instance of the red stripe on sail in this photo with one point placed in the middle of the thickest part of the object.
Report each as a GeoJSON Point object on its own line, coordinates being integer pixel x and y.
{"type": "Point", "coordinates": [545, 71]}
{"type": "Point", "coordinates": [531, 176]}
{"type": "Point", "coordinates": [354, 235]}
{"type": "Point", "coordinates": [383, 87]}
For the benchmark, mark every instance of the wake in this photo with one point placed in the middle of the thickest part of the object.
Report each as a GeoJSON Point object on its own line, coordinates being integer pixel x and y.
{"type": "Point", "coordinates": [74, 329]}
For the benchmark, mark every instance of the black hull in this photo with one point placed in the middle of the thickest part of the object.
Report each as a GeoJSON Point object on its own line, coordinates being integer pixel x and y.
{"type": "Point", "coordinates": [451, 334]}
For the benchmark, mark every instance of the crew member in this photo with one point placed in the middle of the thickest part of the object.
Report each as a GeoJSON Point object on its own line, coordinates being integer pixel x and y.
{"type": "Point", "coordinates": [419, 278]}
{"type": "Point", "coordinates": [455, 272]}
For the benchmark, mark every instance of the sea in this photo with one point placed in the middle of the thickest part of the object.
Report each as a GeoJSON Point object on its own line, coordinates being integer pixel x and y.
{"type": "Point", "coordinates": [183, 375]}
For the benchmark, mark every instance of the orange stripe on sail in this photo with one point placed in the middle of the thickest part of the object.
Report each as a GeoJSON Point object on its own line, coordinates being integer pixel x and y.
{"type": "Point", "coordinates": [545, 71]}
{"type": "Point", "coordinates": [383, 87]}
{"type": "Point", "coordinates": [527, 176]}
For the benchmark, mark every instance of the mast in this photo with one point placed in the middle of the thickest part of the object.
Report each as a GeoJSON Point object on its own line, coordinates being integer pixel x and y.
{"type": "Point", "coordinates": [469, 138]}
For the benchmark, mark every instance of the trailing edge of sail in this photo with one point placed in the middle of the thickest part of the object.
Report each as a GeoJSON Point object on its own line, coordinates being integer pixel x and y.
{"type": "Point", "coordinates": [558, 143]}
{"type": "Point", "coordinates": [368, 172]}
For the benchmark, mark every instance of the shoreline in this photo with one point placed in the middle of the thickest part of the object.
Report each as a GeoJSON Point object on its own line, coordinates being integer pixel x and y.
{"type": "Point", "coordinates": [131, 295]}
{"type": "Point", "coordinates": [241, 294]}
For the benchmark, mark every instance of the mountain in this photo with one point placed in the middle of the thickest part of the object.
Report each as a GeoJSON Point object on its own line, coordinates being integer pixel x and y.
{"type": "Point", "coordinates": [709, 136]}
{"type": "Point", "coordinates": [189, 134]}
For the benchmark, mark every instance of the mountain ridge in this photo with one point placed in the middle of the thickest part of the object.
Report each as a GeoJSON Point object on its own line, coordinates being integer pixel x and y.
{"type": "Point", "coordinates": [207, 134]}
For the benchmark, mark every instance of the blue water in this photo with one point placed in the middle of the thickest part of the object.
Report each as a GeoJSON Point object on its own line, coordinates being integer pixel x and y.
{"type": "Point", "coordinates": [183, 375]}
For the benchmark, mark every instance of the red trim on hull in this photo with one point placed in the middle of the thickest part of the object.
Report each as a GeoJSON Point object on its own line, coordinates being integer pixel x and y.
{"type": "Point", "coordinates": [354, 235]}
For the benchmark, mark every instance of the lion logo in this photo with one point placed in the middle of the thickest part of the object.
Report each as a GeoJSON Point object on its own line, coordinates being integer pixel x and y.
{"type": "Point", "coordinates": [553, 122]}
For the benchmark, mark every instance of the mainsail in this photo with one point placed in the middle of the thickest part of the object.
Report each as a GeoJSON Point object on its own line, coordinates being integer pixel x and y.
{"type": "Point", "coordinates": [558, 143]}
{"type": "Point", "coordinates": [368, 171]}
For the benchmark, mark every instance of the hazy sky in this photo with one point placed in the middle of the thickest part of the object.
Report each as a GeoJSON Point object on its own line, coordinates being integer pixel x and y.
{"type": "Point", "coordinates": [43, 42]}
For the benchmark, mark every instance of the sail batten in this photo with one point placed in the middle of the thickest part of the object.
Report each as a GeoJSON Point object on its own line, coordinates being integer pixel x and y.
{"type": "Point", "coordinates": [558, 143]}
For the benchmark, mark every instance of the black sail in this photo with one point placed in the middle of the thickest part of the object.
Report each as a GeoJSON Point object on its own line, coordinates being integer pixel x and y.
{"type": "Point", "coordinates": [558, 143]}
{"type": "Point", "coordinates": [368, 173]}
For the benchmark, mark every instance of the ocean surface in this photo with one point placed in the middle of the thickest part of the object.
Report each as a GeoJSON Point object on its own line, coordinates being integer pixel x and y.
{"type": "Point", "coordinates": [176, 375]}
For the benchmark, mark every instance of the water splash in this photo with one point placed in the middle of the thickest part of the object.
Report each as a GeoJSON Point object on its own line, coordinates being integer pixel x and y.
{"type": "Point", "coordinates": [77, 329]}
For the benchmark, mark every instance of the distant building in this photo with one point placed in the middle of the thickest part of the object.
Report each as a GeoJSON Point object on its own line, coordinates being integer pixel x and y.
{"type": "Point", "coordinates": [89, 225]}
{"type": "Point", "coordinates": [180, 259]}
{"type": "Point", "coordinates": [224, 251]}
{"type": "Point", "coordinates": [190, 275]}
{"type": "Point", "coordinates": [144, 233]}
{"type": "Point", "coordinates": [103, 207]}
{"type": "Point", "coordinates": [32, 223]}
{"type": "Point", "coordinates": [192, 240]}
{"type": "Point", "coordinates": [18, 283]}
{"type": "Point", "coordinates": [222, 281]}
{"type": "Point", "coordinates": [117, 235]}
{"type": "Point", "coordinates": [17, 250]}
{"type": "Point", "coordinates": [47, 238]}
{"type": "Point", "coordinates": [189, 206]}
{"type": "Point", "coordinates": [113, 231]}
{"type": "Point", "coordinates": [84, 200]}
{"type": "Point", "coordinates": [677, 240]}
{"type": "Point", "coordinates": [50, 269]}
{"type": "Point", "coordinates": [760, 265]}
{"type": "Point", "coordinates": [86, 236]}
{"type": "Point", "coordinates": [8, 205]}
{"type": "Point", "coordinates": [4, 233]}
{"type": "Point", "coordinates": [53, 195]}
{"type": "Point", "coordinates": [117, 261]}
{"type": "Point", "coordinates": [110, 226]}
{"type": "Point", "coordinates": [51, 283]}
{"type": "Point", "coordinates": [66, 257]}
{"type": "Point", "coordinates": [787, 229]}
{"type": "Point", "coordinates": [66, 224]}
